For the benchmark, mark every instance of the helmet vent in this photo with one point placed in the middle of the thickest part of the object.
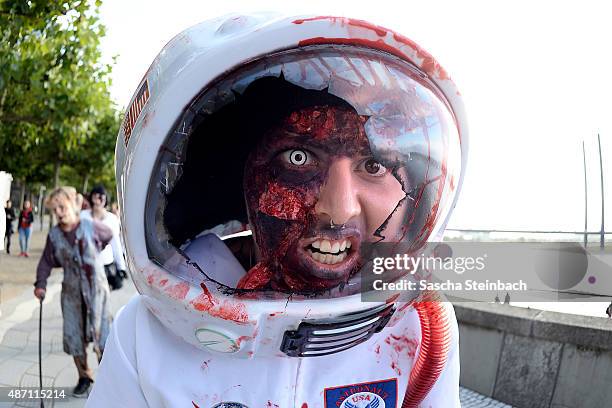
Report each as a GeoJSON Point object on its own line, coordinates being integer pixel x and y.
{"type": "Point", "coordinates": [328, 336]}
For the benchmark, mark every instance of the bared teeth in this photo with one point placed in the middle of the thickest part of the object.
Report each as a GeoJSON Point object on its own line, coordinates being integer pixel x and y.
{"type": "Point", "coordinates": [325, 246]}
{"type": "Point", "coordinates": [328, 259]}
{"type": "Point", "coordinates": [331, 247]}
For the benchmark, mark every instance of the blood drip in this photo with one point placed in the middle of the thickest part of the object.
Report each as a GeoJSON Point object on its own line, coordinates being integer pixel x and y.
{"type": "Point", "coordinates": [204, 301]}
{"type": "Point", "coordinates": [257, 277]}
{"type": "Point", "coordinates": [229, 309]}
{"type": "Point", "coordinates": [403, 344]}
{"type": "Point", "coordinates": [240, 339]}
{"type": "Point", "coordinates": [380, 31]}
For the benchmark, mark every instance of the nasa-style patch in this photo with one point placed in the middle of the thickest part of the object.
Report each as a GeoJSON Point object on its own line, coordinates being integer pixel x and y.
{"type": "Point", "coordinates": [376, 394]}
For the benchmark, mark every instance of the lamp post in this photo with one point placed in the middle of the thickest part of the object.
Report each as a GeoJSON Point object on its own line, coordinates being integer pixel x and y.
{"type": "Point", "coordinates": [602, 236]}
{"type": "Point", "coordinates": [41, 207]}
{"type": "Point", "coordinates": [585, 197]}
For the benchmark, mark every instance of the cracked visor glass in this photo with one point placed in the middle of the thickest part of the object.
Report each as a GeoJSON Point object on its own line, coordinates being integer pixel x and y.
{"type": "Point", "coordinates": [280, 171]}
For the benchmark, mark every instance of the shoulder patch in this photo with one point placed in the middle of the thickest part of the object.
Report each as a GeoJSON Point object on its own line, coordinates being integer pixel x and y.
{"type": "Point", "coordinates": [133, 111]}
{"type": "Point", "coordinates": [375, 394]}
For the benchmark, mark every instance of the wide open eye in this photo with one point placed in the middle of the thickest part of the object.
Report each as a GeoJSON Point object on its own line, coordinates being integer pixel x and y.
{"type": "Point", "coordinates": [298, 157]}
{"type": "Point", "coordinates": [373, 168]}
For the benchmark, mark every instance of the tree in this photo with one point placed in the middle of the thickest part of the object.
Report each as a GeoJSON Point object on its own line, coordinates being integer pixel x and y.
{"type": "Point", "coordinates": [53, 88]}
{"type": "Point", "coordinates": [93, 161]}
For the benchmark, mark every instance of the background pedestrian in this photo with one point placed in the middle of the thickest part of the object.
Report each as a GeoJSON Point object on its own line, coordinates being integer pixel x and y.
{"type": "Point", "coordinates": [75, 244]}
{"type": "Point", "coordinates": [112, 255]}
{"type": "Point", "coordinates": [10, 217]}
{"type": "Point", "coordinates": [26, 218]}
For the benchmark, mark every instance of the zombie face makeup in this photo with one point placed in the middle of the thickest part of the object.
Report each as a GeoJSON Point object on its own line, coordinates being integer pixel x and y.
{"type": "Point", "coordinates": [64, 210]}
{"type": "Point", "coordinates": [314, 152]}
{"type": "Point", "coordinates": [314, 192]}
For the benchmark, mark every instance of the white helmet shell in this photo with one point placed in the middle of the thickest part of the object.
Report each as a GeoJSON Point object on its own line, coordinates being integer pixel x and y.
{"type": "Point", "coordinates": [183, 68]}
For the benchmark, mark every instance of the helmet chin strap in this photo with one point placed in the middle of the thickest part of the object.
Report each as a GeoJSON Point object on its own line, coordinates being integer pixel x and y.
{"type": "Point", "coordinates": [433, 354]}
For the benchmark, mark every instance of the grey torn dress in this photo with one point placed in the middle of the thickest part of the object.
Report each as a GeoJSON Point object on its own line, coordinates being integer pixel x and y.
{"type": "Point", "coordinates": [85, 292]}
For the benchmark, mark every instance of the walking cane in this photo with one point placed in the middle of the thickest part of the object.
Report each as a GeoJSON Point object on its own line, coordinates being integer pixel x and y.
{"type": "Point", "coordinates": [42, 404]}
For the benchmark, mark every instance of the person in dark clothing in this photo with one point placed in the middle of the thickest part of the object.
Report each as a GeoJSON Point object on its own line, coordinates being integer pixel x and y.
{"type": "Point", "coordinates": [26, 218]}
{"type": "Point", "coordinates": [10, 217]}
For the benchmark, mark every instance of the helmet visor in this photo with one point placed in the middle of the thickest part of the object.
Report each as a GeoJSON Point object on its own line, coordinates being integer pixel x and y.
{"type": "Point", "coordinates": [275, 175]}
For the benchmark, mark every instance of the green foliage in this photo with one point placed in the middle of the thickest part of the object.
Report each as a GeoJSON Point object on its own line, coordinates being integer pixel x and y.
{"type": "Point", "coordinates": [55, 106]}
{"type": "Point", "coordinates": [93, 159]}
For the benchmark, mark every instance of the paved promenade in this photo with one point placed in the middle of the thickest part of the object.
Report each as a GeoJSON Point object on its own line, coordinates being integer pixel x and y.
{"type": "Point", "coordinates": [471, 399]}
{"type": "Point", "coordinates": [19, 343]}
{"type": "Point", "coordinates": [19, 312]}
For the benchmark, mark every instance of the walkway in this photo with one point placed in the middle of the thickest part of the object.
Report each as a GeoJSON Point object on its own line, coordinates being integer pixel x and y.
{"type": "Point", "coordinates": [19, 345]}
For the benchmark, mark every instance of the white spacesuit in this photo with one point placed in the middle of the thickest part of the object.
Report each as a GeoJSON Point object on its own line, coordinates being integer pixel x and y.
{"type": "Point", "coordinates": [276, 149]}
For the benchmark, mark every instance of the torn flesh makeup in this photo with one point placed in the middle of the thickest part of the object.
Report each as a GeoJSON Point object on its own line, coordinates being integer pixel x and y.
{"type": "Point", "coordinates": [298, 250]}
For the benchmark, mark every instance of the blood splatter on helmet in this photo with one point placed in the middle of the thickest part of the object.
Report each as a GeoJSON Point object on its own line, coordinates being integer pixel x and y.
{"type": "Point", "coordinates": [225, 163]}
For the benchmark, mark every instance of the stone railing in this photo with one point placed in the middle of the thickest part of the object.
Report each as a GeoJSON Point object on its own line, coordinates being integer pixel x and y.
{"type": "Point", "coordinates": [533, 358]}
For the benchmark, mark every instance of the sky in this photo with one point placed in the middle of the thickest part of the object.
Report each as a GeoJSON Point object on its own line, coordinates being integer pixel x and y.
{"type": "Point", "coordinates": [536, 77]}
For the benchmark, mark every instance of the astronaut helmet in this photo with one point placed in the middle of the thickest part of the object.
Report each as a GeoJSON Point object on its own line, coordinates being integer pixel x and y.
{"type": "Point", "coordinates": [257, 158]}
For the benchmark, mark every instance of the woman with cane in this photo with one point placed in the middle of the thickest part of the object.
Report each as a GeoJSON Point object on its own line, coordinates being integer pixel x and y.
{"type": "Point", "coordinates": [75, 244]}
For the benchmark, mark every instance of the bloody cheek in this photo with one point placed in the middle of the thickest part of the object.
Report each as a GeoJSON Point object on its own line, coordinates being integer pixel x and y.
{"type": "Point", "coordinates": [282, 216]}
{"type": "Point", "coordinates": [285, 203]}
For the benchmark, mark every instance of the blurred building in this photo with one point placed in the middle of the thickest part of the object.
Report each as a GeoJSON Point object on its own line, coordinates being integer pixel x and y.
{"type": "Point", "coordinates": [5, 186]}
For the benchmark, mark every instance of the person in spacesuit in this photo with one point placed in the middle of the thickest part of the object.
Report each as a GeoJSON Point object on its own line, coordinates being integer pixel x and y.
{"type": "Point", "coordinates": [277, 165]}
{"type": "Point", "coordinates": [313, 190]}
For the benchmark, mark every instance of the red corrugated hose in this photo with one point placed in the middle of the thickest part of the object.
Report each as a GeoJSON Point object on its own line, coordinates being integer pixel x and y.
{"type": "Point", "coordinates": [435, 344]}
